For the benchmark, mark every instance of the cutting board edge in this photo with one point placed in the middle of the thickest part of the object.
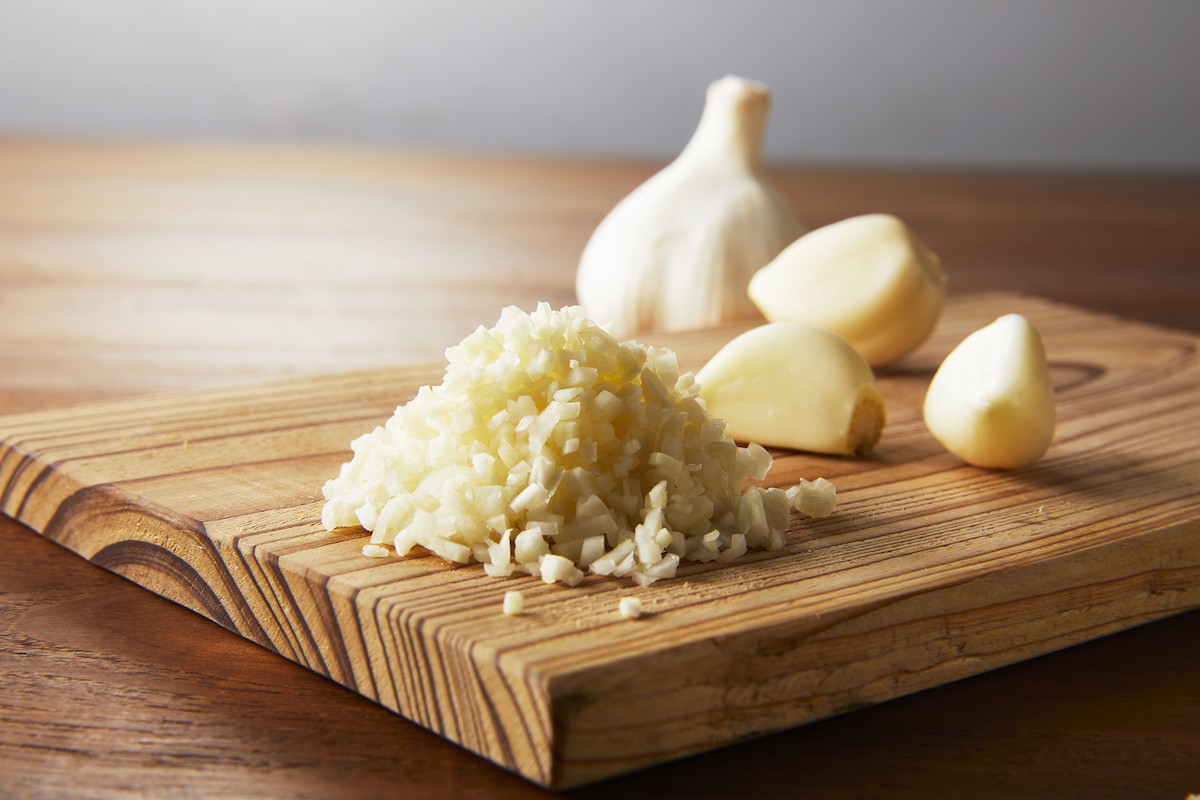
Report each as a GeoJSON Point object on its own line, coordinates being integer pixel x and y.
{"type": "Point", "coordinates": [1062, 603]}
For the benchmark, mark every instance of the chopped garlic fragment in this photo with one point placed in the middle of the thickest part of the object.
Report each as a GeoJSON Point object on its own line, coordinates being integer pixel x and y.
{"type": "Point", "coordinates": [374, 551]}
{"type": "Point", "coordinates": [629, 607]}
{"type": "Point", "coordinates": [559, 569]}
{"type": "Point", "coordinates": [514, 602]}
{"type": "Point", "coordinates": [814, 498]}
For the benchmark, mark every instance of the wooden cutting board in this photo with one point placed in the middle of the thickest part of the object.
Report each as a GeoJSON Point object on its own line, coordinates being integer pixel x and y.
{"type": "Point", "coordinates": [930, 570]}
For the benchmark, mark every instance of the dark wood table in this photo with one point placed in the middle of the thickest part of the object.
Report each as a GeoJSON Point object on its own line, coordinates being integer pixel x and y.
{"type": "Point", "coordinates": [130, 268]}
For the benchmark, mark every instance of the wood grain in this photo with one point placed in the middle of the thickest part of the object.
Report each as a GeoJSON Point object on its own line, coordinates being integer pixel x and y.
{"type": "Point", "coordinates": [930, 572]}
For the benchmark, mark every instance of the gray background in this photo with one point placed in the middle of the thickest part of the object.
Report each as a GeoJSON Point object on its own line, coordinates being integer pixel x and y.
{"type": "Point", "coordinates": [1066, 83]}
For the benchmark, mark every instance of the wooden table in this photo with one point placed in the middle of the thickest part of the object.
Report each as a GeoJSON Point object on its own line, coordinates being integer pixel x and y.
{"type": "Point", "coordinates": [134, 268]}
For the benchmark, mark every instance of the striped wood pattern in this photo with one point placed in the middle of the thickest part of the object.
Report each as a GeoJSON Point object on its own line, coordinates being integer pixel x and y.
{"type": "Point", "coordinates": [930, 571]}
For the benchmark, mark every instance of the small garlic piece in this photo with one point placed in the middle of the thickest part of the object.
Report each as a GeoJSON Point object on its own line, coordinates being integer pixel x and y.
{"type": "Point", "coordinates": [514, 603]}
{"type": "Point", "coordinates": [677, 253]}
{"type": "Point", "coordinates": [813, 498]}
{"type": "Point", "coordinates": [789, 384]}
{"type": "Point", "coordinates": [867, 279]}
{"type": "Point", "coordinates": [991, 402]}
{"type": "Point", "coordinates": [629, 607]}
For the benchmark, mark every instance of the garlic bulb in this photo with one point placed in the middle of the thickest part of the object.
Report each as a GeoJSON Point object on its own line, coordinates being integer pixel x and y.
{"type": "Point", "coordinates": [677, 253]}
{"type": "Point", "coordinates": [788, 384]}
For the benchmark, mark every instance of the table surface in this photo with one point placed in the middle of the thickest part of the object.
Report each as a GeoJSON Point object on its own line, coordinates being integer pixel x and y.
{"type": "Point", "coordinates": [130, 268]}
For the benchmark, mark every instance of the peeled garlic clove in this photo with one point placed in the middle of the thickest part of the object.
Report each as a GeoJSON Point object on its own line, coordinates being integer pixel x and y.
{"type": "Point", "coordinates": [678, 252]}
{"type": "Point", "coordinates": [867, 279]}
{"type": "Point", "coordinates": [789, 384]}
{"type": "Point", "coordinates": [991, 402]}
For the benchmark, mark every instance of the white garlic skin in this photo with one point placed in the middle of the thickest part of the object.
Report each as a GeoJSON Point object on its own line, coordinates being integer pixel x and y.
{"type": "Point", "coordinates": [678, 252]}
{"type": "Point", "coordinates": [868, 279]}
{"type": "Point", "coordinates": [991, 402]}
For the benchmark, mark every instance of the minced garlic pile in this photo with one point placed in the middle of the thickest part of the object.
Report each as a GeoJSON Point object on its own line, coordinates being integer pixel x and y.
{"type": "Point", "coordinates": [551, 448]}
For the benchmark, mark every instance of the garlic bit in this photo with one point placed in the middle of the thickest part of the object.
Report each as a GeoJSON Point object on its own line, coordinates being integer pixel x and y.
{"type": "Point", "coordinates": [788, 384]}
{"type": "Point", "coordinates": [991, 402]}
{"type": "Point", "coordinates": [678, 252]}
{"type": "Point", "coordinates": [867, 279]}
{"type": "Point", "coordinates": [813, 498]}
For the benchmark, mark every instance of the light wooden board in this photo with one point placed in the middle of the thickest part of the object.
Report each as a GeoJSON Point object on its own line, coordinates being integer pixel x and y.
{"type": "Point", "coordinates": [930, 571]}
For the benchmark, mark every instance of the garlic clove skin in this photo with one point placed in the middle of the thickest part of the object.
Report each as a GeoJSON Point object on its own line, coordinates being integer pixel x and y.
{"type": "Point", "coordinates": [991, 402]}
{"type": "Point", "coordinates": [867, 278]}
{"type": "Point", "coordinates": [789, 384]}
{"type": "Point", "coordinates": [677, 253]}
